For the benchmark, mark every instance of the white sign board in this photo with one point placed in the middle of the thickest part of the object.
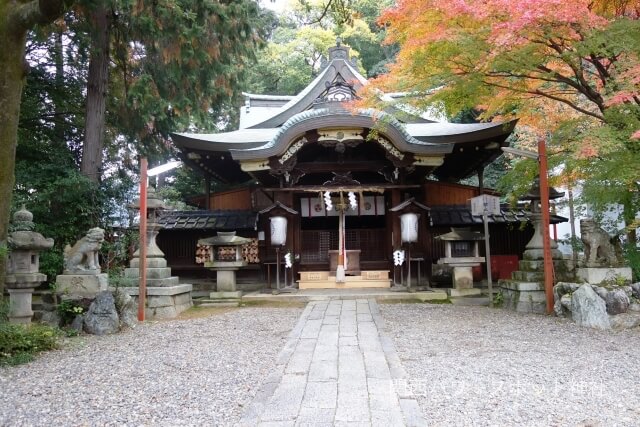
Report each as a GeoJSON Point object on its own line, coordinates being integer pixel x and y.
{"type": "Point", "coordinates": [485, 202]}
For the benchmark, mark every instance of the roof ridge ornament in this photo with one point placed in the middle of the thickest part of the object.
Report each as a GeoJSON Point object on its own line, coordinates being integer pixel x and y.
{"type": "Point", "coordinates": [337, 91]}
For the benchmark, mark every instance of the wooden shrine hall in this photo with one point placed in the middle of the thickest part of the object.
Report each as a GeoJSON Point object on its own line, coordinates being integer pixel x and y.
{"type": "Point", "coordinates": [339, 177]}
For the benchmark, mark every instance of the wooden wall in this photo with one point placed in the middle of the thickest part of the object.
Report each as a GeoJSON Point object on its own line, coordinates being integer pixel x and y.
{"type": "Point", "coordinates": [447, 194]}
{"type": "Point", "coordinates": [239, 199]}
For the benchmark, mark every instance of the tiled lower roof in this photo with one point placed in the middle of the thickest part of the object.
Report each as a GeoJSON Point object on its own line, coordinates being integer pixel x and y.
{"type": "Point", "coordinates": [461, 215]}
{"type": "Point", "coordinates": [209, 220]}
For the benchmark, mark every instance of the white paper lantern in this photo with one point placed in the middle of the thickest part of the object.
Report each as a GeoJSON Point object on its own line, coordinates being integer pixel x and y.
{"type": "Point", "coordinates": [409, 227]}
{"type": "Point", "coordinates": [278, 230]}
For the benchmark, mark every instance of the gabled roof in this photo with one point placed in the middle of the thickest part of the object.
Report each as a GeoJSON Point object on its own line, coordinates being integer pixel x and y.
{"type": "Point", "coordinates": [338, 67]}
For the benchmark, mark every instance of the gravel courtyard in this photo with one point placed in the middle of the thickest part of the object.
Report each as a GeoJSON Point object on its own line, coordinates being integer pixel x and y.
{"type": "Point", "coordinates": [477, 366]}
{"type": "Point", "coordinates": [182, 372]}
{"type": "Point", "coordinates": [466, 366]}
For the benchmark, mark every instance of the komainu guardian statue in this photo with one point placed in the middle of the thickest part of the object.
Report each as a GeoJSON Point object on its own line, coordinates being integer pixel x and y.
{"type": "Point", "coordinates": [83, 256]}
{"type": "Point", "coordinates": [599, 247]}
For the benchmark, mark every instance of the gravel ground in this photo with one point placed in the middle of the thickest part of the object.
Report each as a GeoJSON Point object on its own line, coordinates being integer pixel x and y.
{"type": "Point", "coordinates": [182, 372]}
{"type": "Point", "coordinates": [476, 366]}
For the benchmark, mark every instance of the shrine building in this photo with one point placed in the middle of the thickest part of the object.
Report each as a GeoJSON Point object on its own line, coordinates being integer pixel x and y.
{"type": "Point", "coordinates": [342, 178]}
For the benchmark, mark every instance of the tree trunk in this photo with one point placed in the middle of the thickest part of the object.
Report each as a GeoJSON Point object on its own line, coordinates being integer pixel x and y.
{"type": "Point", "coordinates": [15, 21]}
{"type": "Point", "coordinates": [58, 58]}
{"type": "Point", "coordinates": [97, 81]}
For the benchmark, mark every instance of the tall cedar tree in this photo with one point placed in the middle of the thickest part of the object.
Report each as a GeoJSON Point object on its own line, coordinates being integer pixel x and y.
{"type": "Point", "coordinates": [16, 19]}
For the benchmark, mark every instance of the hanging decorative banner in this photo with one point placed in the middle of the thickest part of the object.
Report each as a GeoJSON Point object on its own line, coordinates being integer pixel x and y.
{"type": "Point", "coordinates": [327, 200]}
{"type": "Point", "coordinates": [398, 257]}
{"type": "Point", "coordinates": [316, 207]}
{"type": "Point", "coordinates": [353, 202]}
{"type": "Point", "coordinates": [287, 260]}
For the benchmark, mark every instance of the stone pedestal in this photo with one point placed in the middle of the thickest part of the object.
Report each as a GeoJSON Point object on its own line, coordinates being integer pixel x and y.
{"type": "Point", "coordinates": [20, 305]}
{"type": "Point", "coordinates": [158, 274]}
{"type": "Point", "coordinates": [598, 275]}
{"type": "Point", "coordinates": [462, 277]}
{"type": "Point", "coordinates": [164, 302]}
{"type": "Point", "coordinates": [226, 280]}
{"type": "Point", "coordinates": [81, 285]}
{"type": "Point", "coordinates": [524, 297]}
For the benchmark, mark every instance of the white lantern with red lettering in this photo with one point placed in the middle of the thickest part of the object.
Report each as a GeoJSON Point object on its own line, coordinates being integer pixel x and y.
{"type": "Point", "coordinates": [409, 227]}
{"type": "Point", "coordinates": [278, 230]}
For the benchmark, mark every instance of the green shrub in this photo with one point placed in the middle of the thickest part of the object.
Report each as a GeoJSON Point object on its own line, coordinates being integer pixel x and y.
{"type": "Point", "coordinates": [20, 343]}
{"type": "Point", "coordinates": [498, 299]}
{"type": "Point", "coordinates": [69, 309]}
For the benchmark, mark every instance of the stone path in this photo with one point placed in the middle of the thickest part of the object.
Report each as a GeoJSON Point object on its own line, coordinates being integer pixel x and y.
{"type": "Point", "coordinates": [337, 368]}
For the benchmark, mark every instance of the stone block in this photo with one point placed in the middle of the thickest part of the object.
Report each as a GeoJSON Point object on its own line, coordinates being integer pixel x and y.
{"type": "Point", "coordinates": [596, 276]}
{"type": "Point", "coordinates": [222, 295]}
{"type": "Point", "coordinates": [154, 301]}
{"type": "Point", "coordinates": [163, 312]}
{"type": "Point", "coordinates": [464, 292]}
{"type": "Point", "coordinates": [524, 297]}
{"type": "Point", "coordinates": [82, 285]}
{"type": "Point", "coordinates": [181, 299]}
{"type": "Point", "coordinates": [20, 305]}
{"type": "Point", "coordinates": [151, 263]}
{"type": "Point", "coordinates": [226, 281]}
{"type": "Point", "coordinates": [462, 277]}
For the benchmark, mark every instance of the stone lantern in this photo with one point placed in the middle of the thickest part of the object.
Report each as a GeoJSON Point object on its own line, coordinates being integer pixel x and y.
{"type": "Point", "coordinates": [534, 249]}
{"type": "Point", "coordinates": [158, 273]}
{"type": "Point", "coordinates": [22, 268]}
{"type": "Point", "coordinates": [462, 254]}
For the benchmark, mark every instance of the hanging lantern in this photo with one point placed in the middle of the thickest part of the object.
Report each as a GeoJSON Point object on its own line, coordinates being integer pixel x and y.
{"type": "Point", "coordinates": [278, 230]}
{"type": "Point", "coordinates": [409, 227]}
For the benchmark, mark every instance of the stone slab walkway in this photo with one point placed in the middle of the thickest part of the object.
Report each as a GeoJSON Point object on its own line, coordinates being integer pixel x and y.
{"type": "Point", "coordinates": [337, 368]}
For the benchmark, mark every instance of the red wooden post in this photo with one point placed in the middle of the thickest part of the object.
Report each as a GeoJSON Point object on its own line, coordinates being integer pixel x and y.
{"type": "Point", "coordinates": [142, 289]}
{"type": "Point", "coordinates": [546, 239]}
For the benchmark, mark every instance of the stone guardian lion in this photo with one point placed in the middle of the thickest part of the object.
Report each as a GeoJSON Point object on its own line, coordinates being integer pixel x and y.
{"type": "Point", "coordinates": [83, 256]}
{"type": "Point", "coordinates": [599, 250]}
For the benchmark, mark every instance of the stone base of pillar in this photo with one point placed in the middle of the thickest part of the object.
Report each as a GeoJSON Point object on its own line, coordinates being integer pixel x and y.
{"type": "Point", "coordinates": [164, 302]}
{"type": "Point", "coordinates": [82, 285]}
{"type": "Point", "coordinates": [598, 275]}
{"type": "Point", "coordinates": [226, 280]}
{"type": "Point", "coordinates": [462, 277]}
{"type": "Point", "coordinates": [20, 305]}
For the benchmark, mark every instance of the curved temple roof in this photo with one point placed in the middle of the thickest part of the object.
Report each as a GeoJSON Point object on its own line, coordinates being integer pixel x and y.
{"type": "Point", "coordinates": [280, 120]}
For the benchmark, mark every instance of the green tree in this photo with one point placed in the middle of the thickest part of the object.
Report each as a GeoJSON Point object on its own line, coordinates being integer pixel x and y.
{"type": "Point", "coordinates": [16, 20]}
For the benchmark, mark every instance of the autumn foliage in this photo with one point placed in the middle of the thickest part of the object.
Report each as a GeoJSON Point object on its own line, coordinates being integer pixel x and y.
{"type": "Point", "coordinates": [545, 61]}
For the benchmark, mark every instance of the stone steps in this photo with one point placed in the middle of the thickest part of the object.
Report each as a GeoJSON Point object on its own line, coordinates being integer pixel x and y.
{"type": "Point", "coordinates": [325, 280]}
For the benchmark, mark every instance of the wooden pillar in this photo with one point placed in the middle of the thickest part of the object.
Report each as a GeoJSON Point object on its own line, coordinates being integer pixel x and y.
{"type": "Point", "coordinates": [480, 181]}
{"type": "Point", "coordinates": [207, 192]}
{"type": "Point", "coordinates": [395, 222]}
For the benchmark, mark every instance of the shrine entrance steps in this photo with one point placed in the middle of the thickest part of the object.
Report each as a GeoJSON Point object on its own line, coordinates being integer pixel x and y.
{"type": "Point", "coordinates": [327, 280]}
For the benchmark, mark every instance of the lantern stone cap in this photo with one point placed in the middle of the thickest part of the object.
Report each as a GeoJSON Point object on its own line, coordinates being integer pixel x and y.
{"type": "Point", "coordinates": [22, 238]}
{"type": "Point", "coordinates": [277, 205]}
{"type": "Point", "coordinates": [534, 192]}
{"type": "Point", "coordinates": [461, 234]}
{"type": "Point", "coordinates": [23, 220]}
{"type": "Point", "coordinates": [153, 201]}
{"type": "Point", "coordinates": [224, 238]}
{"type": "Point", "coordinates": [409, 202]}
